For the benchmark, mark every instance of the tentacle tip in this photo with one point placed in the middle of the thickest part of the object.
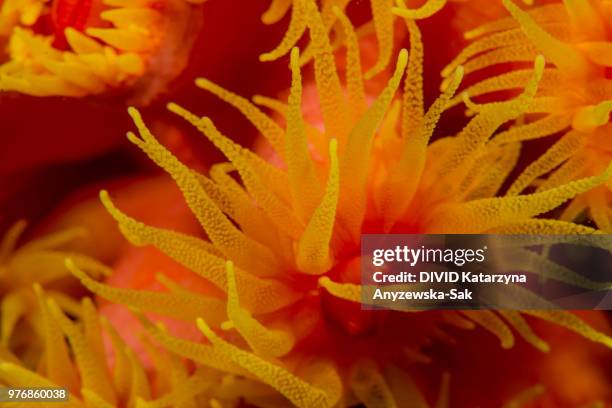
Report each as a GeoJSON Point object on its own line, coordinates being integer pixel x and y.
{"type": "Point", "coordinates": [402, 59]}
{"type": "Point", "coordinates": [470, 35]}
{"type": "Point", "coordinates": [204, 328]}
{"type": "Point", "coordinates": [38, 290]}
{"type": "Point", "coordinates": [459, 71]}
{"type": "Point", "coordinates": [372, 72]}
{"type": "Point", "coordinates": [133, 112]}
{"type": "Point", "coordinates": [69, 263]}
{"type": "Point", "coordinates": [53, 307]}
{"type": "Point", "coordinates": [333, 147]}
{"type": "Point", "coordinates": [200, 83]}
{"type": "Point", "coordinates": [266, 57]}
{"type": "Point", "coordinates": [446, 71]}
{"type": "Point", "coordinates": [5, 366]}
{"type": "Point", "coordinates": [131, 136]}
{"type": "Point", "coordinates": [75, 270]}
{"type": "Point", "coordinates": [507, 344]}
{"type": "Point", "coordinates": [174, 107]}
{"type": "Point", "coordinates": [324, 280]}
{"type": "Point", "coordinates": [105, 199]}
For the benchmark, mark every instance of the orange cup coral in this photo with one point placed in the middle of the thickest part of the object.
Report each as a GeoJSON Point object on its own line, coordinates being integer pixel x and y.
{"type": "Point", "coordinates": [76, 48]}
{"type": "Point", "coordinates": [574, 98]}
{"type": "Point", "coordinates": [382, 24]}
{"type": "Point", "coordinates": [39, 261]}
{"type": "Point", "coordinates": [74, 356]}
{"type": "Point", "coordinates": [282, 243]}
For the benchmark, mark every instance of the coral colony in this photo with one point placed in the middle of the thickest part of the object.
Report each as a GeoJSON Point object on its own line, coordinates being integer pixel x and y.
{"type": "Point", "coordinates": [280, 323]}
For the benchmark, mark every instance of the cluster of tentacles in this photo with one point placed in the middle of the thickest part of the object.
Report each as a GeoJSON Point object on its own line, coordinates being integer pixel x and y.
{"type": "Point", "coordinates": [282, 323]}
{"type": "Point", "coordinates": [382, 24]}
{"type": "Point", "coordinates": [71, 48]}
{"type": "Point", "coordinates": [284, 240]}
{"type": "Point", "coordinates": [575, 39]}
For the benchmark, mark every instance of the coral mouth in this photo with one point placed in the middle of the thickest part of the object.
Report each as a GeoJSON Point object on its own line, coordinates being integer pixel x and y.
{"type": "Point", "coordinates": [69, 13]}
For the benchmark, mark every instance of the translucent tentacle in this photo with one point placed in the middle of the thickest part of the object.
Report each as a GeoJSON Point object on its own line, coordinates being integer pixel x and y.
{"type": "Point", "coordinates": [413, 110]}
{"type": "Point", "coordinates": [494, 212]}
{"type": "Point", "coordinates": [520, 325]}
{"type": "Point", "coordinates": [278, 211]}
{"type": "Point", "coordinates": [428, 9]}
{"type": "Point", "coordinates": [204, 354]}
{"type": "Point", "coordinates": [266, 126]}
{"type": "Point", "coordinates": [139, 388]}
{"type": "Point", "coordinates": [355, 160]}
{"type": "Point", "coordinates": [554, 156]}
{"type": "Point", "coordinates": [55, 240]}
{"type": "Point", "coordinates": [572, 322]}
{"type": "Point", "coordinates": [57, 358]}
{"type": "Point", "coordinates": [543, 227]}
{"type": "Point", "coordinates": [121, 371]}
{"type": "Point", "coordinates": [297, 26]}
{"type": "Point", "coordinates": [331, 97]}
{"type": "Point", "coordinates": [263, 341]}
{"type": "Point", "coordinates": [295, 389]}
{"type": "Point", "coordinates": [508, 38]}
{"type": "Point", "coordinates": [12, 308]}
{"type": "Point", "coordinates": [589, 118]}
{"type": "Point", "coordinates": [533, 130]}
{"type": "Point", "coordinates": [94, 373]}
{"type": "Point", "coordinates": [346, 291]}
{"type": "Point", "coordinates": [182, 307]}
{"type": "Point", "coordinates": [562, 55]}
{"type": "Point", "coordinates": [276, 11]}
{"type": "Point", "coordinates": [489, 118]}
{"type": "Point", "coordinates": [400, 186]}
{"type": "Point", "coordinates": [9, 241]}
{"type": "Point", "coordinates": [383, 24]}
{"type": "Point", "coordinates": [547, 13]}
{"type": "Point", "coordinates": [263, 296]}
{"type": "Point", "coordinates": [599, 208]}
{"type": "Point", "coordinates": [313, 250]}
{"type": "Point", "coordinates": [515, 53]}
{"type": "Point", "coordinates": [226, 237]}
{"type": "Point", "coordinates": [354, 79]}
{"type": "Point", "coordinates": [493, 178]}
{"type": "Point", "coordinates": [303, 182]}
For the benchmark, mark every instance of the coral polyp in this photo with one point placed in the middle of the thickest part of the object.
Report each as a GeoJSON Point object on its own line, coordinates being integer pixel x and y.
{"type": "Point", "coordinates": [383, 13]}
{"type": "Point", "coordinates": [575, 39]}
{"type": "Point", "coordinates": [382, 24]}
{"type": "Point", "coordinates": [73, 48]}
{"type": "Point", "coordinates": [282, 242]}
{"type": "Point", "coordinates": [74, 357]}
{"type": "Point", "coordinates": [41, 262]}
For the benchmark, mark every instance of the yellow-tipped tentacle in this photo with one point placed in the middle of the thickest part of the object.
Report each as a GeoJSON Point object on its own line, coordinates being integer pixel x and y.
{"type": "Point", "coordinates": [313, 249]}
